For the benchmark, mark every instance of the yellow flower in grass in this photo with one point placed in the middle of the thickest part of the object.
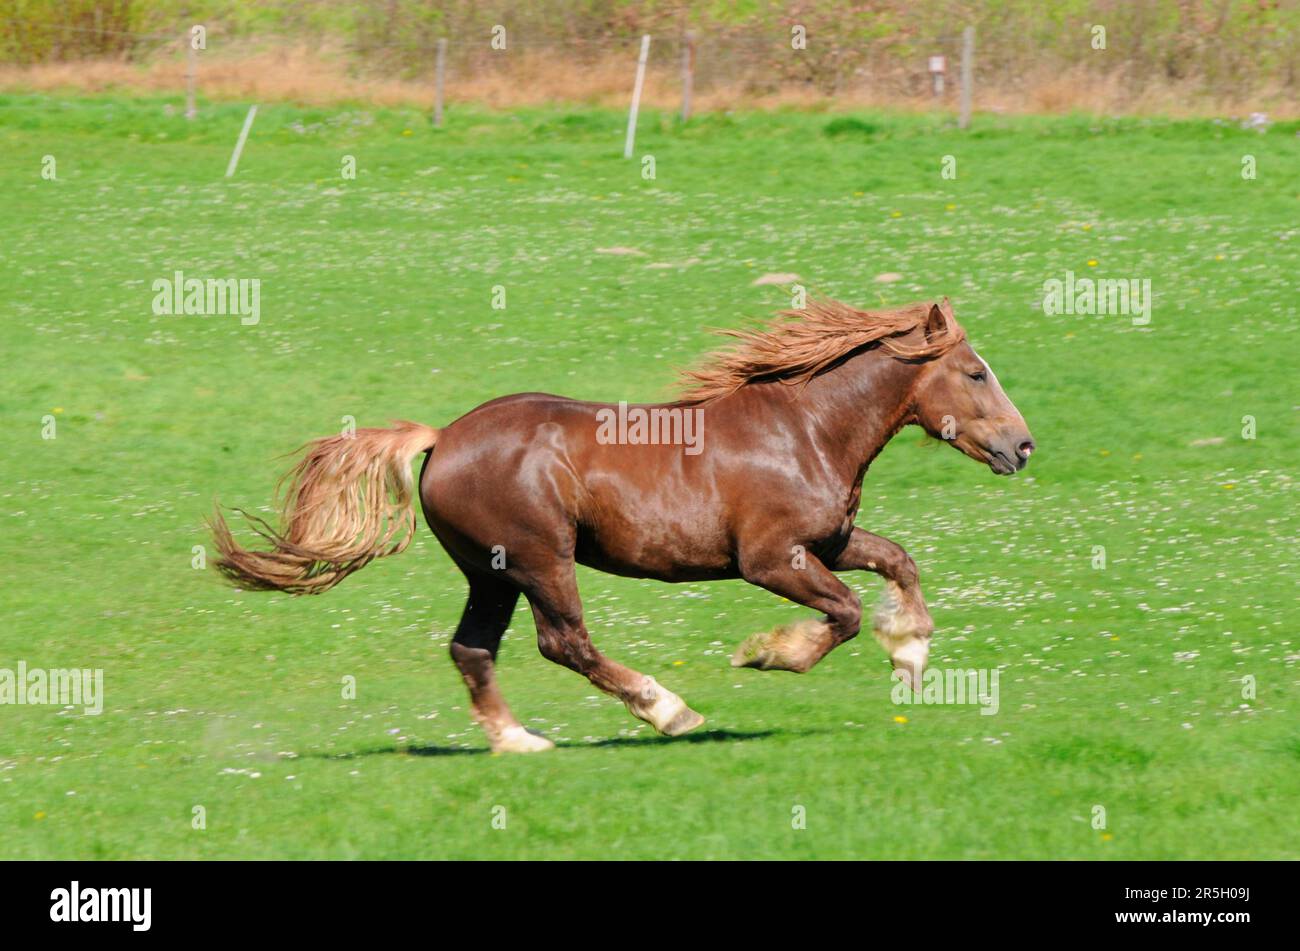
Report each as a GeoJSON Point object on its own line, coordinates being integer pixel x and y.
{"type": "Point", "coordinates": [900, 719]}
{"type": "Point", "coordinates": [1092, 262]}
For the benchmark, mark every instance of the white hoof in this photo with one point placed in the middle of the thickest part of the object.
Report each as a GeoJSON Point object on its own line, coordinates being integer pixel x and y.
{"type": "Point", "coordinates": [515, 739]}
{"type": "Point", "coordinates": [663, 709]}
{"type": "Point", "coordinates": [909, 662]}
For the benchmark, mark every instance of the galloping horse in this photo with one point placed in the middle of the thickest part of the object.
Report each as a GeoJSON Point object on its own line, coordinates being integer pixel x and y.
{"type": "Point", "coordinates": [525, 486]}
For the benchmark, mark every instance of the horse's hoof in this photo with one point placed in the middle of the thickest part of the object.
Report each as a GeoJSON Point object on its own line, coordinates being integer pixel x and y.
{"type": "Point", "coordinates": [684, 722]}
{"type": "Point", "coordinates": [515, 739]}
{"type": "Point", "coordinates": [909, 662]}
{"type": "Point", "coordinates": [663, 709]}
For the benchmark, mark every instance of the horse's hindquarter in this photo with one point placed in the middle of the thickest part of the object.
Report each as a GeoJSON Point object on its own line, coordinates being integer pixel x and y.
{"type": "Point", "coordinates": [496, 476]}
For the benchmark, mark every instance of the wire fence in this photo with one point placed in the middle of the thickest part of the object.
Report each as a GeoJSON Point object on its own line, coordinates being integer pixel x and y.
{"type": "Point", "coordinates": [693, 63]}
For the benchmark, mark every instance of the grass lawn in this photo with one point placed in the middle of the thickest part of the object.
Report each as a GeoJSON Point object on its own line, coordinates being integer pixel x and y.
{"type": "Point", "coordinates": [1120, 687]}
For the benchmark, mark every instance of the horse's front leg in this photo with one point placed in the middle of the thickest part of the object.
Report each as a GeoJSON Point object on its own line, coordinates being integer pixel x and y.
{"type": "Point", "coordinates": [902, 622]}
{"type": "Point", "coordinates": [805, 580]}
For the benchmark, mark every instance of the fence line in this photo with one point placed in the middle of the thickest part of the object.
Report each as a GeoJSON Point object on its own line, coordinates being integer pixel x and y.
{"type": "Point", "coordinates": [437, 50]}
{"type": "Point", "coordinates": [694, 65]}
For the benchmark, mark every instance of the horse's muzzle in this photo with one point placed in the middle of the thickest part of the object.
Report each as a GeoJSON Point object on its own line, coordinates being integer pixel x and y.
{"type": "Point", "coordinates": [1011, 455]}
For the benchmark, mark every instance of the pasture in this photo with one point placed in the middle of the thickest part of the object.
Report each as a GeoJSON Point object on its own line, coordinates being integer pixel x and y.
{"type": "Point", "coordinates": [1121, 685]}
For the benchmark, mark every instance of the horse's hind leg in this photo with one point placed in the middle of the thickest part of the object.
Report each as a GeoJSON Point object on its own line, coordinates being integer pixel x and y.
{"type": "Point", "coordinates": [474, 650]}
{"type": "Point", "coordinates": [562, 637]}
{"type": "Point", "coordinates": [902, 622]}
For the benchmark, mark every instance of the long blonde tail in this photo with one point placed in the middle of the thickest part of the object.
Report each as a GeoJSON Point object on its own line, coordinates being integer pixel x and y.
{"type": "Point", "coordinates": [349, 502]}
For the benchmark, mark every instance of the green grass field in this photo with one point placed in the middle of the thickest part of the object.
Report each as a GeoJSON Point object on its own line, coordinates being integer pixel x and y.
{"type": "Point", "coordinates": [1121, 687]}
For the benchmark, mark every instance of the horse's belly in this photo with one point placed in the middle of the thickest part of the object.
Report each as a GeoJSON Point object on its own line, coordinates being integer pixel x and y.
{"type": "Point", "coordinates": [668, 550]}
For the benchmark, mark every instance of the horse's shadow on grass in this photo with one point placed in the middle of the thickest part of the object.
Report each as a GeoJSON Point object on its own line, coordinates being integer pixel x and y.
{"type": "Point", "coordinates": [614, 742]}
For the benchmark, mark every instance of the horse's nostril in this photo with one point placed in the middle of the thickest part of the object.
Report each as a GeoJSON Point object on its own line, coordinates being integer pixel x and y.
{"type": "Point", "coordinates": [1025, 448]}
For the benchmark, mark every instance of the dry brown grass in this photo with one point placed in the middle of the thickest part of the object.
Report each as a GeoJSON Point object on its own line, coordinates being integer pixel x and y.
{"type": "Point", "coordinates": [322, 77]}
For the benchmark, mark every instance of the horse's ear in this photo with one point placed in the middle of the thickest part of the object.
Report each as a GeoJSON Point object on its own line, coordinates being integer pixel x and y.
{"type": "Point", "coordinates": [936, 324]}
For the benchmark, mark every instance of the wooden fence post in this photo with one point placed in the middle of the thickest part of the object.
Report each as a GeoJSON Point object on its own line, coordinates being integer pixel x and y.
{"type": "Point", "coordinates": [191, 74]}
{"type": "Point", "coordinates": [440, 82]}
{"type": "Point", "coordinates": [967, 75]}
{"type": "Point", "coordinates": [688, 74]}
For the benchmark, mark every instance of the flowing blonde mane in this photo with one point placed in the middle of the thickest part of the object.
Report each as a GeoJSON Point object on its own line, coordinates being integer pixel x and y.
{"type": "Point", "coordinates": [799, 344]}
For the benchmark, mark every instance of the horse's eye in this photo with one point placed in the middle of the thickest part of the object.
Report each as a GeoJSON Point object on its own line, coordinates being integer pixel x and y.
{"type": "Point", "coordinates": [979, 376]}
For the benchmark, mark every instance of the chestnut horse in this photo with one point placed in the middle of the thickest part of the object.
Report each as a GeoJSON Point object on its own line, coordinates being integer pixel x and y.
{"type": "Point", "coordinates": [755, 473]}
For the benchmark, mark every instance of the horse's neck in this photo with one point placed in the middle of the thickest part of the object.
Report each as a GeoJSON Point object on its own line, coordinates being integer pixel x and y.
{"type": "Point", "coordinates": [856, 408]}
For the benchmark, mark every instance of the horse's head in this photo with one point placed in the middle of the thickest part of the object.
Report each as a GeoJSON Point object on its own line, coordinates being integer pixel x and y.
{"type": "Point", "coordinates": [957, 398]}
